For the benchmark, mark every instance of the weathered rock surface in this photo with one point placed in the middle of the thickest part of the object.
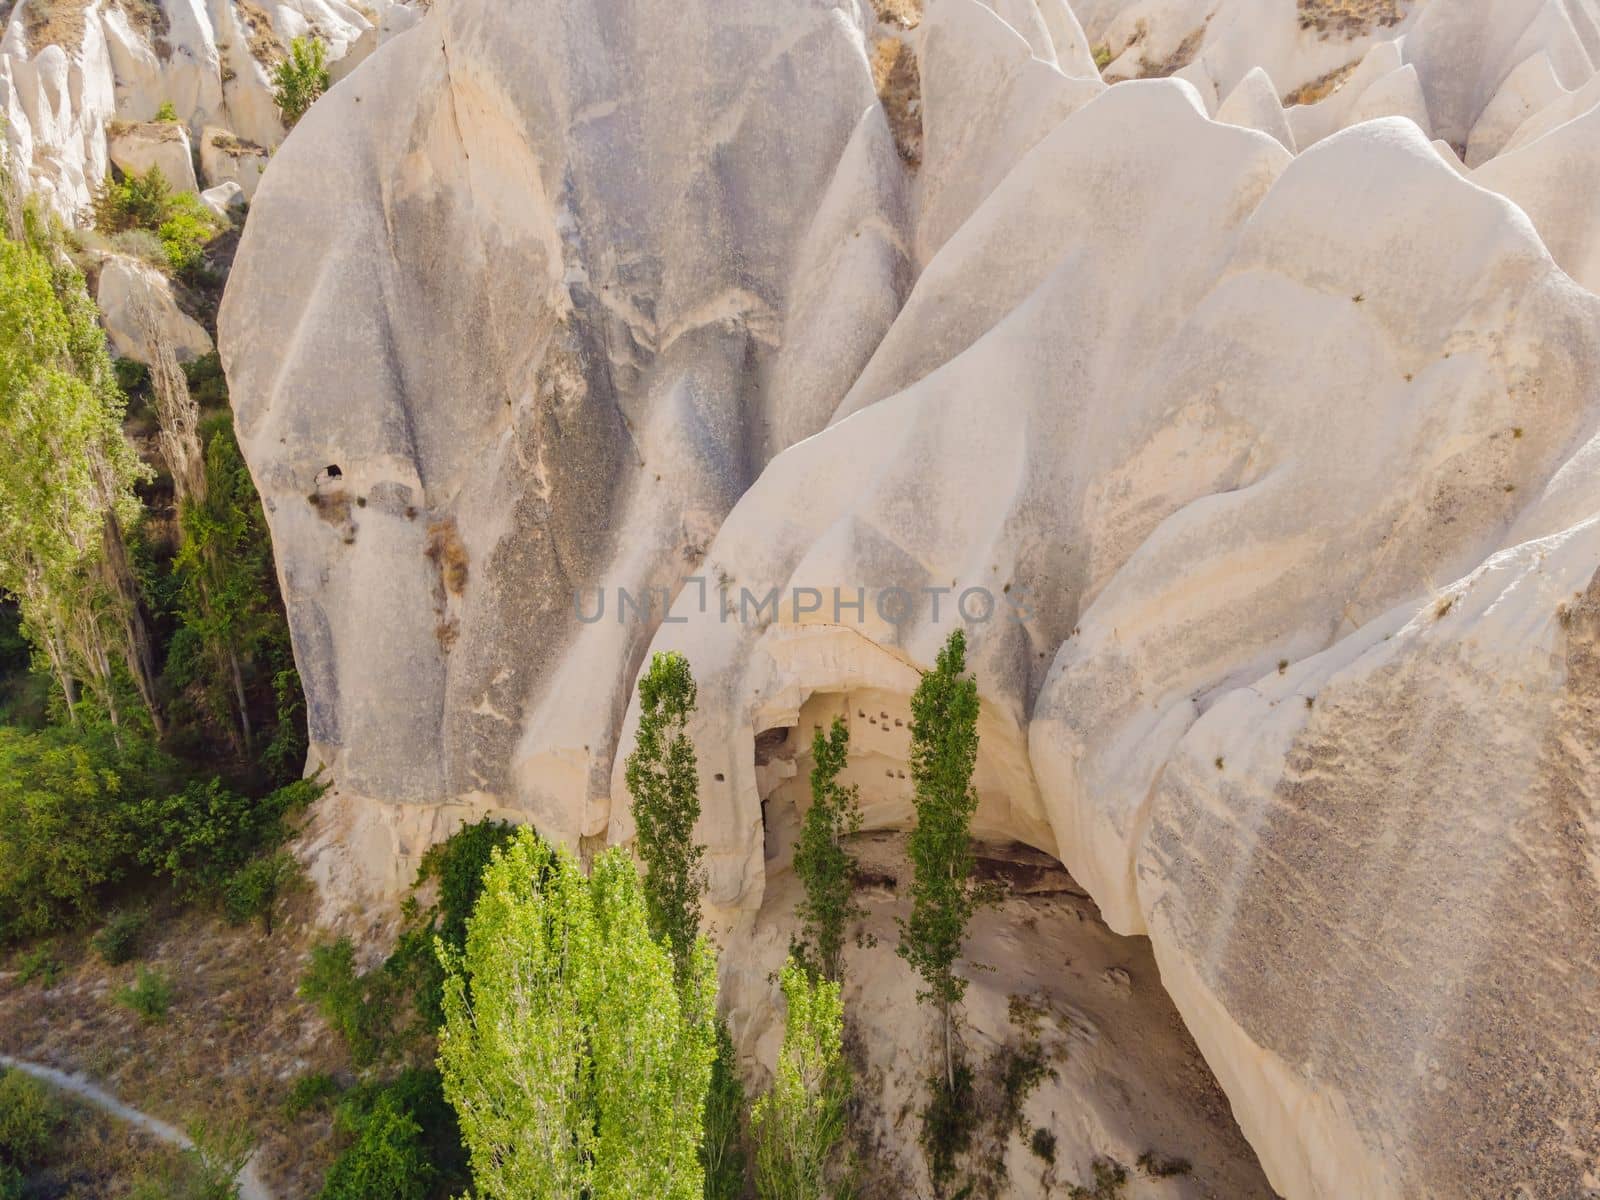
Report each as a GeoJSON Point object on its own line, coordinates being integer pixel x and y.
{"type": "Point", "coordinates": [136, 148]}
{"type": "Point", "coordinates": [70, 68]}
{"type": "Point", "coordinates": [137, 307]}
{"type": "Point", "coordinates": [1264, 482]}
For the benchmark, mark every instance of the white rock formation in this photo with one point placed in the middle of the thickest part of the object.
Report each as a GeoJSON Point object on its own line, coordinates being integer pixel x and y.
{"type": "Point", "coordinates": [136, 305]}
{"type": "Point", "coordinates": [227, 200]}
{"type": "Point", "coordinates": [136, 148]}
{"type": "Point", "coordinates": [69, 68]}
{"type": "Point", "coordinates": [1277, 470]}
{"type": "Point", "coordinates": [225, 158]}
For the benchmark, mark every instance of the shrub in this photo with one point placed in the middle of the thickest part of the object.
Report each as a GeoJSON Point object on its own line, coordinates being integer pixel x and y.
{"type": "Point", "coordinates": [150, 995]}
{"type": "Point", "coordinates": [12, 1184]}
{"type": "Point", "coordinates": [948, 1122]}
{"type": "Point", "coordinates": [350, 1002]}
{"type": "Point", "coordinates": [399, 1135]}
{"type": "Point", "coordinates": [39, 963]}
{"type": "Point", "coordinates": [456, 865]}
{"type": "Point", "coordinates": [166, 113]}
{"type": "Point", "coordinates": [143, 245]}
{"type": "Point", "coordinates": [199, 837]}
{"type": "Point", "coordinates": [300, 78]}
{"type": "Point", "coordinates": [118, 939]}
{"type": "Point", "coordinates": [187, 229]}
{"type": "Point", "coordinates": [251, 892]}
{"type": "Point", "coordinates": [29, 1115]}
{"type": "Point", "coordinates": [387, 1158]}
{"type": "Point", "coordinates": [216, 1158]}
{"type": "Point", "coordinates": [310, 1091]}
{"type": "Point", "coordinates": [1110, 1177]}
{"type": "Point", "coordinates": [147, 202]}
{"type": "Point", "coordinates": [61, 829]}
{"type": "Point", "coordinates": [1043, 1145]}
{"type": "Point", "coordinates": [136, 201]}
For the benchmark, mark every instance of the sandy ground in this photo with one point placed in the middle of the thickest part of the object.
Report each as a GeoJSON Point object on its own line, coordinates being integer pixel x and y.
{"type": "Point", "coordinates": [1125, 1080]}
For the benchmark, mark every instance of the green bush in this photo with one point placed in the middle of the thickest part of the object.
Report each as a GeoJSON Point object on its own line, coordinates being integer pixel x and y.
{"type": "Point", "coordinates": [29, 1115]}
{"type": "Point", "coordinates": [217, 1155]}
{"type": "Point", "coordinates": [150, 995]}
{"type": "Point", "coordinates": [39, 963]}
{"type": "Point", "coordinates": [61, 830]}
{"type": "Point", "coordinates": [199, 837]}
{"type": "Point", "coordinates": [12, 1184]}
{"type": "Point", "coordinates": [386, 1161]}
{"type": "Point", "coordinates": [1110, 1178]}
{"type": "Point", "coordinates": [456, 865]}
{"type": "Point", "coordinates": [356, 1005]}
{"type": "Point", "coordinates": [948, 1122]}
{"type": "Point", "coordinates": [147, 202]}
{"type": "Point", "coordinates": [310, 1091]}
{"type": "Point", "coordinates": [118, 939]}
{"type": "Point", "coordinates": [166, 113]}
{"type": "Point", "coordinates": [300, 78]}
{"type": "Point", "coordinates": [251, 892]}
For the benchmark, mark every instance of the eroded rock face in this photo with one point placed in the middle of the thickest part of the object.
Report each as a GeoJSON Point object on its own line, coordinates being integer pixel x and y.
{"type": "Point", "coordinates": [1267, 437]}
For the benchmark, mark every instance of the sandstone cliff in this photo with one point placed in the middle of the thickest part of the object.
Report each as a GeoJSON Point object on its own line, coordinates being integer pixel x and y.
{"type": "Point", "coordinates": [1256, 392]}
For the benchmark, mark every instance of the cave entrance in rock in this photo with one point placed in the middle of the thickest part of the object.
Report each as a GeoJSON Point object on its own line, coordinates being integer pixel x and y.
{"type": "Point", "coordinates": [1123, 1081]}
{"type": "Point", "coordinates": [879, 721]}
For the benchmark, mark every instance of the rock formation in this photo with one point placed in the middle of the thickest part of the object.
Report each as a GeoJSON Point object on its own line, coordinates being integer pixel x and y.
{"type": "Point", "coordinates": [1245, 416]}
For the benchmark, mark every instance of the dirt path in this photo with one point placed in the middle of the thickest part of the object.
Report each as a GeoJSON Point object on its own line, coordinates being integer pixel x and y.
{"type": "Point", "coordinates": [250, 1185]}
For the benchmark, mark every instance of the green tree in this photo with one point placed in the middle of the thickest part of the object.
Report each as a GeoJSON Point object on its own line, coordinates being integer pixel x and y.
{"type": "Point", "coordinates": [299, 79]}
{"type": "Point", "coordinates": [825, 868]}
{"type": "Point", "coordinates": [944, 751]}
{"type": "Point", "coordinates": [387, 1158]}
{"type": "Point", "coordinates": [664, 782]}
{"type": "Point", "coordinates": [233, 630]}
{"type": "Point", "coordinates": [576, 1058]}
{"type": "Point", "coordinates": [66, 488]}
{"type": "Point", "coordinates": [722, 1149]}
{"type": "Point", "coordinates": [62, 830]}
{"type": "Point", "coordinates": [799, 1123]}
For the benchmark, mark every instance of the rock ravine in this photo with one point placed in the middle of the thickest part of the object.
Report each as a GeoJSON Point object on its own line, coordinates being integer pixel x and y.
{"type": "Point", "coordinates": [1230, 371]}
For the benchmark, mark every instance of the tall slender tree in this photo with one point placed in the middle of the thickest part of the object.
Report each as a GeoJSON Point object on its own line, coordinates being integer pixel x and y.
{"type": "Point", "coordinates": [663, 781]}
{"type": "Point", "coordinates": [575, 1056]}
{"type": "Point", "coordinates": [825, 867]}
{"type": "Point", "coordinates": [800, 1122]}
{"type": "Point", "coordinates": [66, 484]}
{"type": "Point", "coordinates": [944, 895]}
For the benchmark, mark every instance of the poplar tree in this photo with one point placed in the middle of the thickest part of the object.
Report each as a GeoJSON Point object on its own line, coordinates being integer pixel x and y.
{"type": "Point", "coordinates": [944, 751]}
{"type": "Point", "coordinates": [664, 782]}
{"type": "Point", "coordinates": [66, 486]}
{"type": "Point", "coordinates": [575, 1054]}
{"type": "Point", "coordinates": [799, 1123]}
{"type": "Point", "coordinates": [825, 868]}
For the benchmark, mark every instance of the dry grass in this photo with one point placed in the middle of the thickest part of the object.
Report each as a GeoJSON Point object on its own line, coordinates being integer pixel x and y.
{"type": "Point", "coordinates": [230, 144]}
{"type": "Point", "coordinates": [266, 47]}
{"type": "Point", "coordinates": [1348, 18]}
{"type": "Point", "coordinates": [1322, 87]}
{"type": "Point", "coordinates": [234, 1042]}
{"type": "Point", "coordinates": [447, 552]}
{"type": "Point", "coordinates": [95, 1155]}
{"type": "Point", "coordinates": [899, 85]}
{"type": "Point", "coordinates": [905, 13]}
{"type": "Point", "coordinates": [150, 19]}
{"type": "Point", "coordinates": [54, 23]}
{"type": "Point", "coordinates": [1178, 59]}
